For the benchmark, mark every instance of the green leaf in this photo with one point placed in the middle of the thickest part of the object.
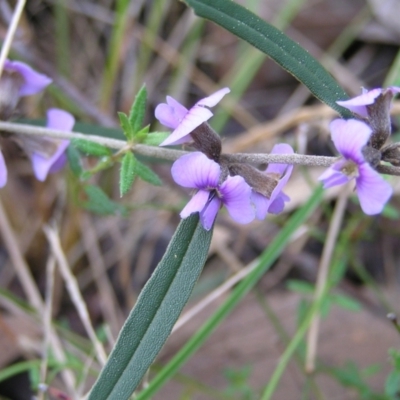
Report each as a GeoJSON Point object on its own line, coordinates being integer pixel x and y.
{"type": "Point", "coordinates": [127, 173]}
{"type": "Point", "coordinates": [271, 41]}
{"type": "Point", "coordinates": [300, 287]}
{"type": "Point", "coordinates": [155, 138]}
{"type": "Point", "coordinates": [346, 302]}
{"type": "Point", "coordinates": [74, 160]}
{"type": "Point", "coordinates": [266, 259]}
{"type": "Point", "coordinates": [147, 174]}
{"type": "Point", "coordinates": [392, 384]}
{"type": "Point", "coordinates": [126, 126]}
{"type": "Point", "coordinates": [136, 115]}
{"type": "Point", "coordinates": [157, 309]}
{"type": "Point", "coordinates": [142, 134]}
{"type": "Point", "coordinates": [99, 203]}
{"type": "Point", "coordinates": [91, 148]}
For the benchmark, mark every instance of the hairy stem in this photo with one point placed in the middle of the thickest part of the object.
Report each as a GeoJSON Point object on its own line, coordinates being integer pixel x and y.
{"type": "Point", "coordinates": [164, 153]}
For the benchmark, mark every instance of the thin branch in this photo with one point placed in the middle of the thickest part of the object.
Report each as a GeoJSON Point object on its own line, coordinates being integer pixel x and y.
{"type": "Point", "coordinates": [74, 292]}
{"type": "Point", "coordinates": [47, 316]}
{"type": "Point", "coordinates": [323, 275]}
{"type": "Point", "coordinates": [10, 33]}
{"type": "Point", "coordinates": [163, 153]}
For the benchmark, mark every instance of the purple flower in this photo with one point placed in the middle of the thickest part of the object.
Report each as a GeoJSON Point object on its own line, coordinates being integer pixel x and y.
{"type": "Point", "coordinates": [3, 171]}
{"type": "Point", "coordinates": [349, 138]}
{"type": "Point", "coordinates": [18, 79]}
{"type": "Point", "coordinates": [281, 172]}
{"type": "Point", "coordinates": [32, 81]}
{"type": "Point", "coordinates": [196, 171]}
{"type": "Point", "coordinates": [43, 165]}
{"type": "Point", "coordinates": [174, 115]}
{"type": "Point", "coordinates": [358, 105]}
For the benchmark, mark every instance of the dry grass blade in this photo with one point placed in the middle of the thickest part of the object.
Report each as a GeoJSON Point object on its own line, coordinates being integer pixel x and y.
{"type": "Point", "coordinates": [73, 289]}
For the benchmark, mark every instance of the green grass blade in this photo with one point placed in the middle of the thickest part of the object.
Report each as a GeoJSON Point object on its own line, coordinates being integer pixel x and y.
{"type": "Point", "coordinates": [265, 37]}
{"type": "Point", "coordinates": [155, 313]}
{"type": "Point", "coordinates": [265, 261]}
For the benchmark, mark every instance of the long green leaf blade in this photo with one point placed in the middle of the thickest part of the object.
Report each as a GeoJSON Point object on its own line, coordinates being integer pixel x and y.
{"type": "Point", "coordinates": [271, 41]}
{"type": "Point", "coordinates": [266, 259]}
{"type": "Point", "coordinates": [155, 313]}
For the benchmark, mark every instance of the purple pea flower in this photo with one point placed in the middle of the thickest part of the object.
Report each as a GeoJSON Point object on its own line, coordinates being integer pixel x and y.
{"type": "Point", "coordinates": [349, 138]}
{"type": "Point", "coordinates": [43, 165]}
{"type": "Point", "coordinates": [32, 82]}
{"type": "Point", "coordinates": [17, 80]}
{"type": "Point", "coordinates": [358, 105]}
{"type": "Point", "coordinates": [196, 171]}
{"type": "Point", "coordinates": [175, 116]}
{"type": "Point", "coordinates": [282, 172]}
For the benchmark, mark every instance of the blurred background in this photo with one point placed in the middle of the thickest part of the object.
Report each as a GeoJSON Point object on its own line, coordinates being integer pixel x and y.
{"type": "Point", "coordinates": [99, 53]}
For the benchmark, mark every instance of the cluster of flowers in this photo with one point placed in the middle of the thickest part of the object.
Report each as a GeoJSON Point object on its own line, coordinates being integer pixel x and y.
{"type": "Point", "coordinates": [47, 154]}
{"type": "Point", "coordinates": [249, 193]}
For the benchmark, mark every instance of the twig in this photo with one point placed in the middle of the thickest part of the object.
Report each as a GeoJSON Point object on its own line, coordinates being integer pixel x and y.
{"type": "Point", "coordinates": [10, 33]}
{"type": "Point", "coordinates": [108, 300]}
{"type": "Point", "coordinates": [51, 263]}
{"type": "Point", "coordinates": [73, 289]}
{"type": "Point", "coordinates": [323, 272]}
{"type": "Point", "coordinates": [220, 290]}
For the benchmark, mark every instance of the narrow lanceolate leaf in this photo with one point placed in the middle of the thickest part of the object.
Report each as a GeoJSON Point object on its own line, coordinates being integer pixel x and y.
{"type": "Point", "coordinates": [74, 160]}
{"type": "Point", "coordinates": [142, 134]}
{"type": "Point", "coordinates": [265, 260]}
{"type": "Point", "coordinates": [91, 148]}
{"type": "Point", "coordinates": [127, 173]}
{"type": "Point", "coordinates": [99, 203]}
{"type": "Point", "coordinates": [125, 125]}
{"type": "Point", "coordinates": [271, 41]}
{"type": "Point", "coordinates": [155, 313]}
{"type": "Point", "coordinates": [136, 115]}
{"type": "Point", "coordinates": [155, 138]}
{"type": "Point", "coordinates": [147, 174]}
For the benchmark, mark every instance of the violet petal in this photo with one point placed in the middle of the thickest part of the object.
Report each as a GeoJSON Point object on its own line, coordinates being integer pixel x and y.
{"type": "Point", "coordinates": [261, 204]}
{"type": "Point", "coordinates": [236, 196]}
{"type": "Point", "coordinates": [373, 191]}
{"type": "Point", "coordinates": [196, 171]}
{"type": "Point", "coordinates": [281, 184]}
{"type": "Point", "coordinates": [358, 104]}
{"type": "Point", "coordinates": [209, 213]}
{"type": "Point", "coordinates": [196, 203]}
{"type": "Point", "coordinates": [277, 206]}
{"type": "Point", "coordinates": [213, 99]}
{"type": "Point", "coordinates": [332, 177]}
{"type": "Point", "coordinates": [3, 171]}
{"type": "Point", "coordinates": [280, 148]}
{"type": "Point", "coordinates": [170, 114]}
{"type": "Point", "coordinates": [193, 119]}
{"type": "Point", "coordinates": [34, 82]}
{"type": "Point", "coordinates": [349, 137]}
{"type": "Point", "coordinates": [42, 166]}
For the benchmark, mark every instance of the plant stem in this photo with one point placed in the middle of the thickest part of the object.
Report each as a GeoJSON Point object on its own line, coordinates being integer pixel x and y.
{"type": "Point", "coordinates": [164, 153]}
